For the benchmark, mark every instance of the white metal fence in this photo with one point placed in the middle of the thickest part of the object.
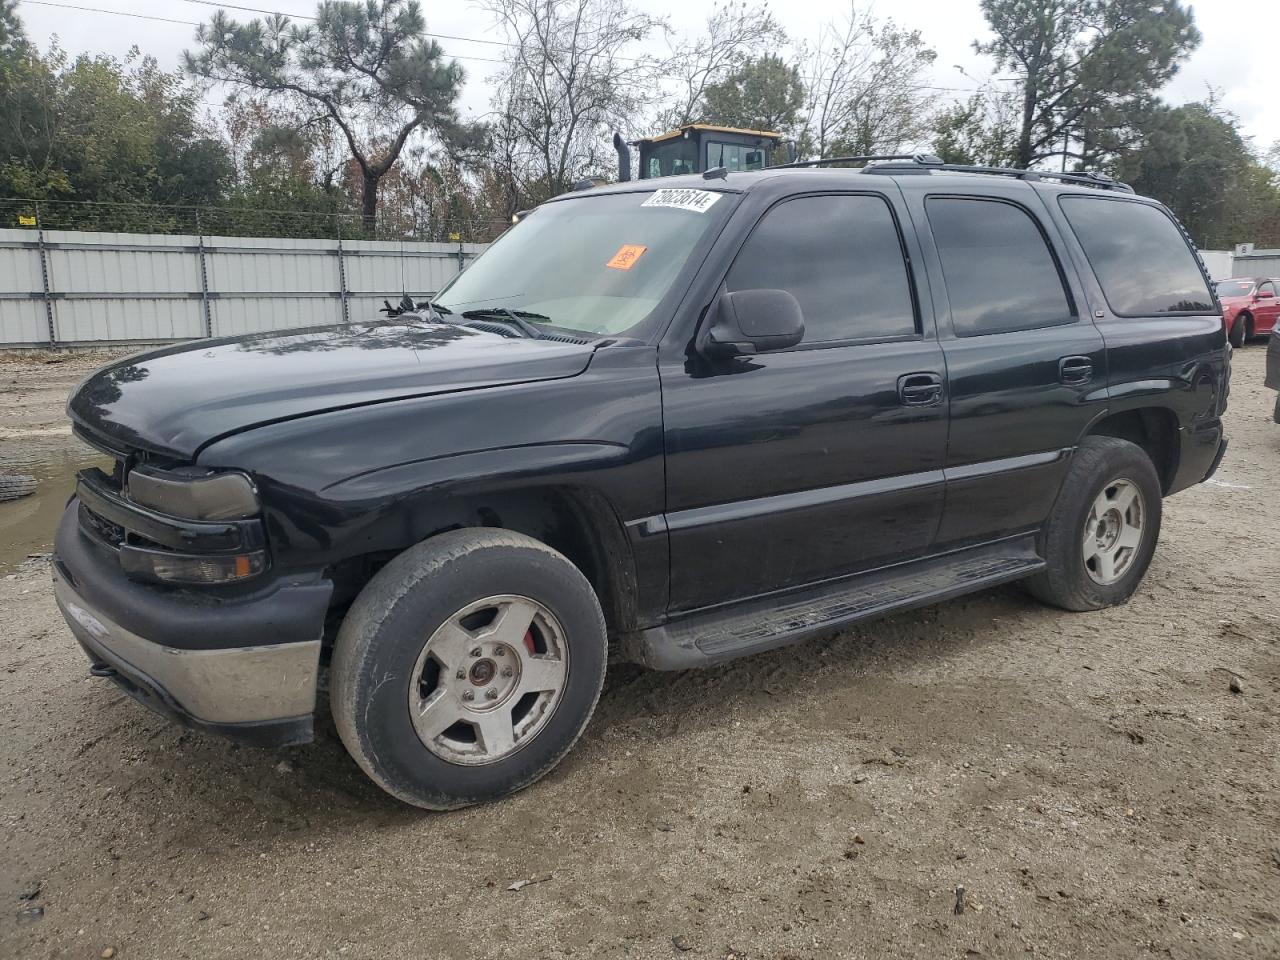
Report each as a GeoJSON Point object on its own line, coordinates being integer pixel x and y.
{"type": "Point", "coordinates": [1260, 263]}
{"type": "Point", "coordinates": [74, 288]}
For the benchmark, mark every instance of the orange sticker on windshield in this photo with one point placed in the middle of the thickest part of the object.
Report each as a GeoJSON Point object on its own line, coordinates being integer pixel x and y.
{"type": "Point", "coordinates": [627, 256]}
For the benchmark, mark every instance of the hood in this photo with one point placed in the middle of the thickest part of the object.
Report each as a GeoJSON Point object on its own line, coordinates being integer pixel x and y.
{"type": "Point", "coordinates": [176, 400]}
{"type": "Point", "coordinates": [1235, 301]}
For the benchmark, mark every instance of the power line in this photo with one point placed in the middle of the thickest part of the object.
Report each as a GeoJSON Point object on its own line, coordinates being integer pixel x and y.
{"type": "Point", "coordinates": [442, 36]}
{"type": "Point", "coordinates": [193, 23]}
{"type": "Point", "coordinates": [493, 43]}
{"type": "Point", "coordinates": [303, 16]}
{"type": "Point", "coordinates": [118, 13]}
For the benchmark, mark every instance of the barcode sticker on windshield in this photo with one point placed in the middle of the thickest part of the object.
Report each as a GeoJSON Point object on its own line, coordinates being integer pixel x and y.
{"type": "Point", "coordinates": [699, 201]}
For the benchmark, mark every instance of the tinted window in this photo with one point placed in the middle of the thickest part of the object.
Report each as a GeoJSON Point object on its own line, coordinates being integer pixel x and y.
{"type": "Point", "coordinates": [1000, 274]}
{"type": "Point", "coordinates": [1265, 288]}
{"type": "Point", "coordinates": [841, 257]}
{"type": "Point", "coordinates": [1139, 257]}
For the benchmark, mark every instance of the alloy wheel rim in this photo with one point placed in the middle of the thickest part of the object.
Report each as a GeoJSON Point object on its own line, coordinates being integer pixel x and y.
{"type": "Point", "coordinates": [1113, 531]}
{"type": "Point", "coordinates": [488, 680]}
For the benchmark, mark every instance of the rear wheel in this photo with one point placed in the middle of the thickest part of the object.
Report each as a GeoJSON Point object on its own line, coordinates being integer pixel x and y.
{"type": "Point", "coordinates": [1102, 532]}
{"type": "Point", "coordinates": [1239, 331]}
{"type": "Point", "coordinates": [467, 668]}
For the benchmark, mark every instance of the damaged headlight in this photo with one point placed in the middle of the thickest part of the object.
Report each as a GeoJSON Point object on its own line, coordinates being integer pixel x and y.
{"type": "Point", "coordinates": [194, 494]}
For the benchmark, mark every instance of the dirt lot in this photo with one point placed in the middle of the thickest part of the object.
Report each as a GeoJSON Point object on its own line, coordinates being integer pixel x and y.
{"type": "Point", "coordinates": [1090, 780]}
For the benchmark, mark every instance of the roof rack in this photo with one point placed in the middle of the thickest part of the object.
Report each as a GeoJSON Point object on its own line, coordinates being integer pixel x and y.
{"type": "Point", "coordinates": [1086, 178]}
{"type": "Point", "coordinates": [919, 162]}
{"type": "Point", "coordinates": [917, 158]}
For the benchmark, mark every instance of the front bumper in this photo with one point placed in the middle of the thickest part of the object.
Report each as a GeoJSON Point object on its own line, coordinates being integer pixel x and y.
{"type": "Point", "coordinates": [263, 695]}
{"type": "Point", "coordinates": [245, 668]}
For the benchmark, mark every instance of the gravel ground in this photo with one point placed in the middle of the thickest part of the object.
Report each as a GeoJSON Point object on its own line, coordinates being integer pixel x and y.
{"type": "Point", "coordinates": [1091, 780]}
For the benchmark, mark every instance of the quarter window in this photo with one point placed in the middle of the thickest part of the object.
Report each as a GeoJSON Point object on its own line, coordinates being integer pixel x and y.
{"type": "Point", "coordinates": [1140, 257]}
{"type": "Point", "coordinates": [1000, 274]}
{"type": "Point", "coordinates": [841, 258]}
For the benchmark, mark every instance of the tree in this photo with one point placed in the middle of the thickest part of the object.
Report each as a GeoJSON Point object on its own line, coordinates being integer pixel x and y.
{"type": "Point", "coordinates": [980, 130]}
{"type": "Point", "coordinates": [566, 85]}
{"type": "Point", "coordinates": [288, 161]}
{"type": "Point", "coordinates": [99, 129]}
{"type": "Point", "coordinates": [364, 65]}
{"type": "Point", "coordinates": [1194, 159]}
{"type": "Point", "coordinates": [13, 38]}
{"type": "Point", "coordinates": [1087, 69]}
{"type": "Point", "coordinates": [762, 94]}
{"type": "Point", "coordinates": [733, 33]}
{"type": "Point", "coordinates": [865, 88]}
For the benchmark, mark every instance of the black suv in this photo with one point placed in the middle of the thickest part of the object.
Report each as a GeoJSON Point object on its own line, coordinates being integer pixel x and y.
{"type": "Point", "coordinates": [673, 422]}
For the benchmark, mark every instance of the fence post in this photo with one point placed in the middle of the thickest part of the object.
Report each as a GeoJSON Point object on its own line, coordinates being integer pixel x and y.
{"type": "Point", "coordinates": [342, 280]}
{"type": "Point", "coordinates": [44, 276]}
{"type": "Point", "coordinates": [204, 278]}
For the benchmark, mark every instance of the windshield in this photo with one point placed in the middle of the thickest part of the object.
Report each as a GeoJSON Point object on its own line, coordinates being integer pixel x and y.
{"type": "Point", "coordinates": [1235, 288]}
{"type": "Point", "coordinates": [595, 264]}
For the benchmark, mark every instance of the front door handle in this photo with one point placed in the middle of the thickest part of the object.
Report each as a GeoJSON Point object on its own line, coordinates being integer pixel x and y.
{"type": "Point", "coordinates": [920, 389]}
{"type": "Point", "coordinates": [1074, 371]}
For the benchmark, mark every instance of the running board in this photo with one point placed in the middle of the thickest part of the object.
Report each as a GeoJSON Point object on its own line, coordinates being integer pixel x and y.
{"type": "Point", "coordinates": [762, 623]}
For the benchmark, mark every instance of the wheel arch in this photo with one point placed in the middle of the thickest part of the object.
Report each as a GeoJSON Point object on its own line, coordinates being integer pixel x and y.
{"type": "Point", "coordinates": [534, 494]}
{"type": "Point", "coordinates": [1154, 429]}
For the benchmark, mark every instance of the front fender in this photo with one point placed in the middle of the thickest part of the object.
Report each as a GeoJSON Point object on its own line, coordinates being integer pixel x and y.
{"type": "Point", "coordinates": [550, 459]}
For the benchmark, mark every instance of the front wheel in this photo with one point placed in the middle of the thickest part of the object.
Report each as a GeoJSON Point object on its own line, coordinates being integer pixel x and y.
{"type": "Point", "coordinates": [467, 668]}
{"type": "Point", "coordinates": [1102, 532]}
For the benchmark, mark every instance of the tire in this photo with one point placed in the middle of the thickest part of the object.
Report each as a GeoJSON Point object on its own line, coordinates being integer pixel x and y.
{"type": "Point", "coordinates": [1239, 331]}
{"type": "Point", "coordinates": [15, 487]}
{"type": "Point", "coordinates": [1109, 468]}
{"type": "Point", "coordinates": [407, 649]}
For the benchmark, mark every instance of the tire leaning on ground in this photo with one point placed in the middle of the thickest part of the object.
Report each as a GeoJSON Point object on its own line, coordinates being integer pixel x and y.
{"type": "Point", "coordinates": [467, 667]}
{"type": "Point", "coordinates": [1103, 529]}
{"type": "Point", "coordinates": [15, 487]}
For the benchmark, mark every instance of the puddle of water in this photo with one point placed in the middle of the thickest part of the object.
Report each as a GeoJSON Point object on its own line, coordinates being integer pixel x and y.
{"type": "Point", "coordinates": [27, 525]}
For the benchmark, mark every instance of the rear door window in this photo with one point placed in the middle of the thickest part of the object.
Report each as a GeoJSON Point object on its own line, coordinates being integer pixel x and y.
{"type": "Point", "coordinates": [1141, 259]}
{"type": "Point", "coordinates": [841, 257]}
{"type": "Point", "coordinates": [1001, 275]}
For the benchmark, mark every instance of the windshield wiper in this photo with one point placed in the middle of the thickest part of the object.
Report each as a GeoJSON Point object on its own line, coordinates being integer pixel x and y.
{"type": "Point", "coordinates": [435, 311]}
{"type": "Point", "coordinates": [516, 319]}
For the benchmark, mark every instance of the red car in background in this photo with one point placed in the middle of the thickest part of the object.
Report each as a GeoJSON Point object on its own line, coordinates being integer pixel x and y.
{"type": "Point", "coordinates": [1250, 307]}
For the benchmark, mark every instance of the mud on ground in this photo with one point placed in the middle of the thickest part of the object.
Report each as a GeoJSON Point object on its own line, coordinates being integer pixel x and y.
{"type": "Point", "coordinates": [1090, 780]}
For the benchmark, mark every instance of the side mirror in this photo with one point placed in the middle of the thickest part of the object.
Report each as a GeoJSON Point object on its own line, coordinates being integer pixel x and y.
{"type": "Point", "coordinates": [1265, 294]}
{"type": "Point", "coordinates": [752, 321]}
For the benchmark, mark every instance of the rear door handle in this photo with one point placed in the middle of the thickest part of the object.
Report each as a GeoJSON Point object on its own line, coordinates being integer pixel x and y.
{"type": "Point", "coordinates": [1075, 370]}
{"type": "Point", "coordinates": [920, 389]}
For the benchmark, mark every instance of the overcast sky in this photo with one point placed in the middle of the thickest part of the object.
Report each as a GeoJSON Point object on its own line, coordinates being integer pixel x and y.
{"type": "Point", "coordinates": [1236, 56]}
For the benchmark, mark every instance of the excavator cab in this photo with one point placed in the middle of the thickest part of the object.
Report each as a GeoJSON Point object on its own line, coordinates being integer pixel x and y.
{"type": "Point", "coordinates": [698, 147]}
